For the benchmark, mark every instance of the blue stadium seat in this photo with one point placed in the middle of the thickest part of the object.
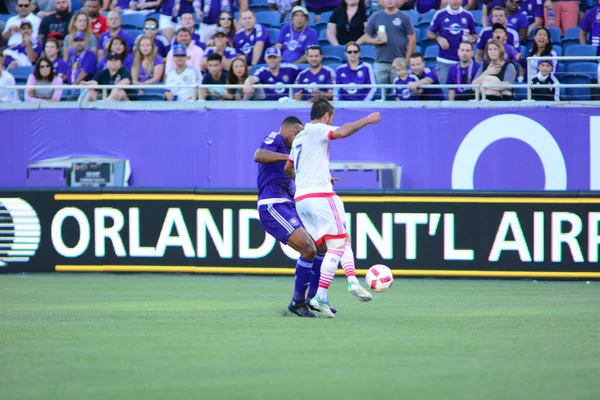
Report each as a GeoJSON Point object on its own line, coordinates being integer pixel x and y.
{"type": "Point", "coordinates": [520, 92]}
{"type": "Point", "coordinates": [558, 49]}
{"type": "Point", "coordinates": [134, 32]}
{"type": "Point", "coordinates": [324, 17]}
{"type": "Point", "coordinates": [321, 26]}
{"type": "Point", "coordinates": [323, 37]}
{"type": "Point", "coordinates": [273, 35]}
{"type": "Point", "coordinates": [571, 38]}
{"type": "Point", "coordinates": [476, 16]}
{"type": "Point", "coordinates": [21, 73]}
{"type": "Point", "coordinates": [259, 5]}
{"type": "Point", "coordinates": [272, 19]}
{"type": "Point", "coordinates": [418, 49]}
{"type": "Point", "coordinates": [579, 50]}
{"type": "Point", "coordinates": [331, 50]}
{"type": "Point", "coordinates": [332, 59]}
{"type": "Point", "coordinates": [5, 17]}
{"type": "Point", "coordinates": [133, 21]}
{"type": "Point", "coordinates": [431, 54]}
{"type": "Point", "coordinates": [76, 5]}
{"type": "Point", "coordinates": [368, 51]}
{"type": "Point", "coordinates": [426, 19]}
{"type": "Point", "coordinates": [576, 94]}
{"type": "Point", "coordinates": [414, 15]}
{"type": "Point", "coordinates": [332, 64]}
{"type": "Point", "coordinates": [367, 60]}
{"type": "Point", "coordinates": [302, 66]}
{"type": "Point", "coordinates": [479, 29]}
{"type": "Point", "coordinates": [583, 68]}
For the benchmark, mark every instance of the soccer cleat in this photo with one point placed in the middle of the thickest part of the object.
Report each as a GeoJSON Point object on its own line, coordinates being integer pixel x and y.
{"type": "Point", "coordinates": [301, 310]}
{"type": "Point", "coordinates": [322, 306]}
{"type": "Point", "coordinates": [333, 309]}
{"type": "Point", "coordinates": [362, 294]}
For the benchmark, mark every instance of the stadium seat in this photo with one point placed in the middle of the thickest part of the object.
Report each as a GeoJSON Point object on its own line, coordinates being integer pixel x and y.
{"type": "Point", "coordinates": [577, 94]}
{"type": "Point", "coordinates": [135, 21]}
{"type": "Point", "coordinates": [324, 17]}
{"type": "Point", "coordinates": [259, 5]}
{"type": "Point", "coordinates": [134, 32]}
{"type": "Point", "coordinates": [418, 49]}
{"type": "Point", "coordinates": [368, 51]}
{"type": "Point", "coordinates": [571, 38]}
{"type": "Point", "coordinates": [431, 54]}
{"type": "Point", "coordinates": [520, 92]}
{"type": "Point", "coordinates": [332, 59]}
{"type": "Point", "coordinates": [476, 16]}
{"type": "Point", "coordinates": [426, 19]}
{"type": "Point", "coordinates": [323, 37]}
{"type": "Point", "coordinates": [271, 19]}
{"type": "Point", "coordinates": [367, 60]}
{"type": "Point", "coordinates": [579, 50]}
{"type": "Point", "coordinates": [332, 64]}
{"type": "Point", "coordinates": [21, 73]}
{"type": "Point", "coordinates": [331, 50]}
{"type": "Point", "coordinates": [76, 5]}
{"type": "Point", "coordinates": [558, 49]}
{"type": "Point", "coordinates": [583, 68]}
{"type": "Point", "coordinates": [414, 15]}
{"type": "Point", "coordinates": [273, 35]}
{"type": "Point", "coordinates": [321, 26]}
{"type": "Point", "coordinates": [302, 66]}
{"type": "Point", "coordinates": [5, 17]}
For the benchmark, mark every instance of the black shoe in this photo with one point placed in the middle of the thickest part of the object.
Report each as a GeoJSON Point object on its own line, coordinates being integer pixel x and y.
{"type": "Point", "coordinates": [300, 309]}
{"type": "Point", "coordinates": [333, 309]}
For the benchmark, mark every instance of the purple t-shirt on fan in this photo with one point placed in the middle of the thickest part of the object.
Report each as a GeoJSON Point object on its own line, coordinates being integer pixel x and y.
{"type": "Point", "coordinates": [294, 44]}
{"type": "Point", "coordinates": [244, 43]}
{"type": "Point", "coordinates": [452, 25]}
{"type": "Point", "coordinates": [166, 7]}
{"type": "Point", "coordinates": [21, 48]}
{"type": "Point", "coordinates": [60, 66]}
{"type": "Point", "coordinates": [106, 37]}
{"type": "Point", "coordinates": [212, 9]}
{"type": "Point", "coordinates": [462, 75]}
{"type": "Point", "coordinates": [85, 61]}
{"type": "Point", "coordinates": [286, 76]}
{"type": "Point", "coordinates": [325, 76]}
{"type": "Point", "coordinates": [486, 34]}
{"type": "Point", "coordinates": [363, 75]}
{"type": "Point", "coordinates": [494, 3]}
{"type": "Point", "coordinates": [272, 181]}
{"type": "Point", "coordinates": [591, 23]}
{"type": "Point", "coordinates": [532, 9]}
{"type": "Point", "coordinates": [320, 5]}
{"type": "Point", "coordinates": [424, 6]}
{"type": "Point", "coordinates": [228, 53]}
{"type": "Point", "coordinates": [404, 93]}
{"type": "Point", "coordinates": [144, 75]}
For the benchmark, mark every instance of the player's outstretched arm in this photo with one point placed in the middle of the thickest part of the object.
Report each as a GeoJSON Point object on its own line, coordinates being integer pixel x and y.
{"type": "Point", "coordinates": [265, 156]}
{"type": "Point", "coordinates": [352, 127]}
{"type": "Point", "coordinates": [289, 169]}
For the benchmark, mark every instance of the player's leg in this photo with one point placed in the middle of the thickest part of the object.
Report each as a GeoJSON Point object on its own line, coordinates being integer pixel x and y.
{"type": "Point", "coordinates": [354, 286]}
{"type": "Point", "coordinates": [316, 275]}
{"type": "Point", "coordinates": [301, 241]}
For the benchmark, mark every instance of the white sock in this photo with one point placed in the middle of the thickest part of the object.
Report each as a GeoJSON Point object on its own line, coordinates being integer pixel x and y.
{"type": "Point", "coordinates": [328, 268]}
{"type": "Point", "coordinates": [348, 264]}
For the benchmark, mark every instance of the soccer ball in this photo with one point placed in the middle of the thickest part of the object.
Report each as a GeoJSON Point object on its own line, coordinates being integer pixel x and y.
{"type": "Point", "coordinates": [379, 278]}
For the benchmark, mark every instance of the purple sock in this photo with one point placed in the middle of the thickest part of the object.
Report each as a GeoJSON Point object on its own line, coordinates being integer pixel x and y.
{"type": "Point", "coordinates": [303, 273]}
{"type": "Point", "coordinates": [316, 275]}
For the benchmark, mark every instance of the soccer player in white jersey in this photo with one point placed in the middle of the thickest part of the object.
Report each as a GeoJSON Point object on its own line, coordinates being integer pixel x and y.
{"type": "Point", "coordinates": [320, 209]}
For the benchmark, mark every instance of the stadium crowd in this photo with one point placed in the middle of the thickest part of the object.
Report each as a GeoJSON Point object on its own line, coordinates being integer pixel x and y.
{"type": "Point", "coordinates": [282, 42]}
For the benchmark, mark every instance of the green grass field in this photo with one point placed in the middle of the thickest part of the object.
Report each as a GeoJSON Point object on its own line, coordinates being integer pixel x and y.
{"type": "Point", "coordinates": [226, 337]}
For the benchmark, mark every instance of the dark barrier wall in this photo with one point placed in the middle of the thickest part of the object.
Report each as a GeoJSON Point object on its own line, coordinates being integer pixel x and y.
{"type": "Point", "coordinates": [438, 149]}
{"type": "Point", "coordinates": [185, 231]}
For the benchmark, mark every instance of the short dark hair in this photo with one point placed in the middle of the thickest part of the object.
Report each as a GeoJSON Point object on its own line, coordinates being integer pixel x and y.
{"type": "Point", "coordinates": [320, 107]}
{"type": "Point", "coordinates": [417, 55]}
{"type": "Point", "coordinates": [183, 29]}
{"type": "Point", "coordinates": [215, 57]}
{"type": "Point", "coordinates": [314, 47]}
{"type": "Point", "coordinates": [291, 120]}
{"type": "Point", "coordinates": [467, 43]}
{"type": "Point", "coordinates": [498, 8]}
{"type": "Point", "coordinates": [151, 19]}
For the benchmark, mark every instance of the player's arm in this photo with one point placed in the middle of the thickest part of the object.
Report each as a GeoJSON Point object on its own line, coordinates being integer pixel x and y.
{"type": "Point", "coordinates": [289, 169]}
{"type": "Point", "coordinates": [265, 156]}
{"type": "Point", "coordinates": [351, 128]}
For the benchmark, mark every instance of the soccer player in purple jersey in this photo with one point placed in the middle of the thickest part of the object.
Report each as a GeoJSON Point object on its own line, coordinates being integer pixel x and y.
{"type": "Point", "coordinates": [277, 210]}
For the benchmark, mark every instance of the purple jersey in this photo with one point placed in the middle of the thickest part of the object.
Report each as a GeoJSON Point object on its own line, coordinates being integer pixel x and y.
{"type": "Point", "coordinates": [486, 35]}
{"type": "Point", "coordinates": [228, 53]}
{"type": "Point", "coordinates": [404, 93]}
{"type": "Point", "coordinates": [85, 61]}
{"type": "Point", "coordinates": [212, 9]}
{"type": "Point", "coordinates": [294, 44]}
{"type": "Point", "coordinates": [244, 43]}
{"type": "Point", "coordinates": [363, 74]}
{"type": "Point", "coordinates": [319, 6]}
{"type": "Point", "coordinates": [105, 38]}
{"type": "Point", "coordinates": [430, 94]}
{"type": "Point", "coordinates": [166, 7]}
{"type": "Point", "coordinates": [511, 54]}
{"type": "Point", "coordinates": [452, 26]}
{"type": "Point", "coordinates": [272, 181]}
{"type": "Point", "coordinates": [21, 48]}
{"type": "Point", "coordinates": [287, 75]}
{"type": "Point", "coordinates": [60, 66]}
{"type": "Point", "coordinates": [427, 5]}
{"type": "Point", "coordinates": [462, 75]}
{"type": "Point", "coordinates": [144, 75]}
{"type": "Point", "coordinates": [591, 23]}
{"type": "Point", "coordinates": [127, 63]}
{"type": "Point", "coordinates": [532, 9]}
{"type": "Point", "coordinates": [195, 38]}
{"type": "Point", "coordinates": [306, 77]}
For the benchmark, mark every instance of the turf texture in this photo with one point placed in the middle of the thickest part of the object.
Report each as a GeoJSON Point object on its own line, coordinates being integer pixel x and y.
{"type": "Point", "coordinates": [100, 336]}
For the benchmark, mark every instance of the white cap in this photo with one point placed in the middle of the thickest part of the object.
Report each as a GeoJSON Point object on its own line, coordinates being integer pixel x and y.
{"type": "Point", "coordinates": [300, 8]}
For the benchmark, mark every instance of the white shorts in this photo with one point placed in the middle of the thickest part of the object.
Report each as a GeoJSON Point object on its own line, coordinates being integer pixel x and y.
{"type": "Point", "coordinates": [323, 217]}
{"type": "Point", "coordinates": [165, 22]}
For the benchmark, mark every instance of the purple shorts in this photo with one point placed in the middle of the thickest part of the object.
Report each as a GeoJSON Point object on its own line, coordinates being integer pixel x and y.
{"type": "Point", "coordinates": [280, 220]}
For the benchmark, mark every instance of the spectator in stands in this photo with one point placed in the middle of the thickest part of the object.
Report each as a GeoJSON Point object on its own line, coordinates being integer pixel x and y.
{"type": "Point", "coordinates": [275, 73]}
{"type": "Point", "coordinates": [486, 7]}
{"type": "Point", "coordinates": [516, 20]}
{"type": "Point", "coordinates": [283, 7]}
{"type": "Point", "coordinates": [463, 72]}
{"type": "Point", "coordinates": [43, 75]}
{"type": "Point", "coordinates": [151, 30]}
{"type": "Point", "coordinates": [321, 6]}
{"type": "Point", "coordinates": [542, 47]}
{"type": "Point", "coordinates": [80, 23]}
{"type": "Point", "coordinates": [114, 29]}
{"type": "Point", "coordinates": [98, 24]}
{"type": "Point", "coordinates": [545, 83]}
{"type": "Point", "coordinates": [393, 33]}
{"type": "Point", "coordinates": [11, 28]}
{"type": "Point", "coordinates": [6, 79]}
{"type": "Point", "coordinates": [316, 74]}
{"type": "Point", "coordinates": [404, 79]}
{"type": "Point", "coordinates": [82, 62]}
{"type": "Point", "coordinates": [500, 33]}
{"type": "Point", "coordinates": [115, 74]}
{"type": "Point", "coordinates": [534, 11]}
{"type": "Point", "coordinates": [227, 24]}
{"type": "Point", "coordinates": [194, 53]}
{"type": "Point", "coordinates": [187, 21]}
{"type": "Point", "coordinates": [347, 23]}
{"type": "Point", "coordinates": [295, 38]}
{"type": "Point", "coordinates": [426, 76]}
{"type": "Point", "coordinates": [590, 24]}
{"type": "Point", "coordinates": [57, 21]}
{"type": "Point", "coordinates": [148, 67]}
{"type": "Point", "coordinates": [237, 75]}
{"type": "Point", "coordinates": [59, 66]}
{"type": "Point", "coordinates": [181, 75]}
{"type": "Point", "coordinates": [467, 5]}
{"type": "Point", "coordinates": [448, 28]}
{"type": "Point", "coordinates": [486, 34]}
{"type": "Point", "coordinates": [43, 8]}
{"type": "Point", "coordinates": [562, 14]}
{"type": "Point", "coordinates": [215, 76]}
{"type": "Point", "coordinates": [171, 11]}
{"type": "Point", "coordinates": [27, 52]}
{"type": "Point", "coordinates": [355, 72]}
{"type": "Point", "coordinates": [495, 70]}
{"type": "Point", "coordinates": [211, 14]}
{"type": "Point", "coordinates": [252, 40]}
{"type": "Point", "coordinates": [117, 46]}
{"type": "Point", "coordinates": [220, 47]}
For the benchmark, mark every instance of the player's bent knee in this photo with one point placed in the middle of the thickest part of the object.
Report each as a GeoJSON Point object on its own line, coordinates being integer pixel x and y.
{"type": "Point", "coordinates": [335, 243]}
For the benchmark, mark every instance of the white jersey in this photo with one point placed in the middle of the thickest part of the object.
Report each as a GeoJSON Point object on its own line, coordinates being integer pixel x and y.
{"type": "Point", "coordinates": [310, 156]}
